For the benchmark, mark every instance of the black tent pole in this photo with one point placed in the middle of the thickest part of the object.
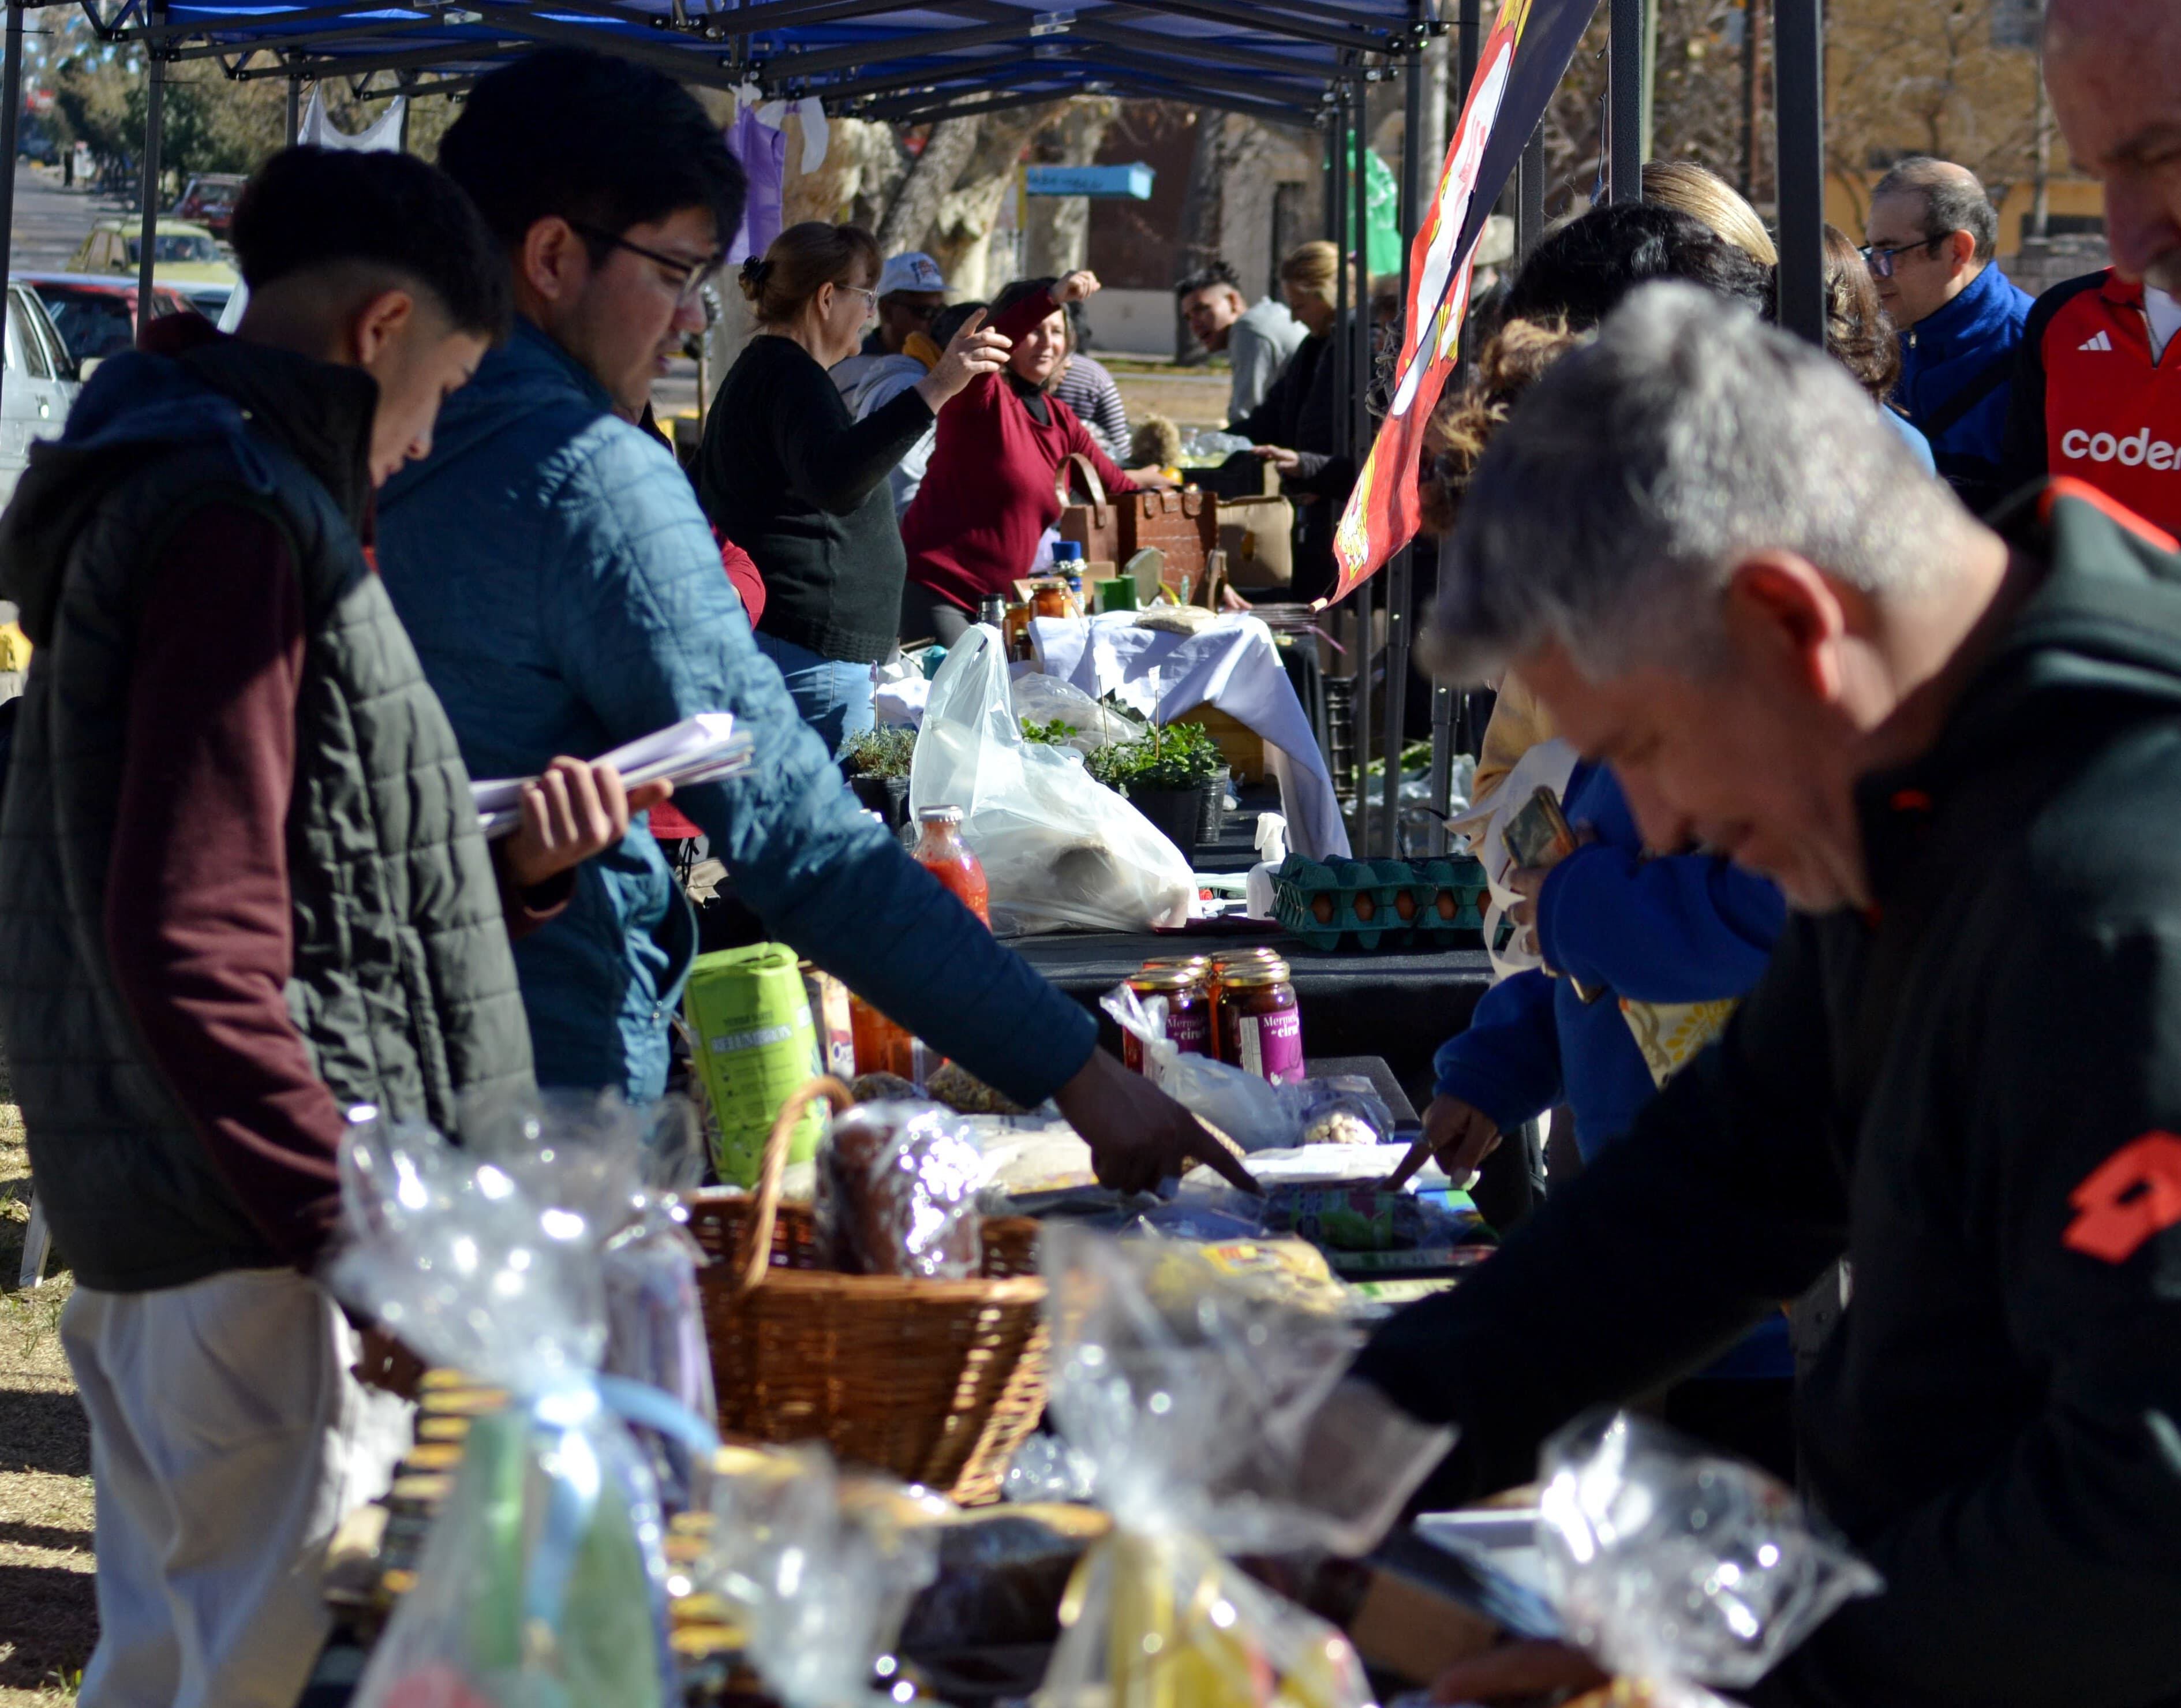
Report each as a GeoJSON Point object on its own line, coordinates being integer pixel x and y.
{"type": "Point", "coordinates": [1798, 68]}
{"type": "Point", "coordinates": [1400, 582]}
{"type": "Point", "coordinates": [155, 89]}
{"type": "Point", "coordinates": [11, 92]}
{"type": "Point", "coordinates": [1625, 110]}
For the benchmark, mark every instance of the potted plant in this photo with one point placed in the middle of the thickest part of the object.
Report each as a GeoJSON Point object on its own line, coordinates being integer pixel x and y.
{"type": "Point", "coordinates": [1165, 773]}
{"type": "Point", "coordinates": [877, 763]}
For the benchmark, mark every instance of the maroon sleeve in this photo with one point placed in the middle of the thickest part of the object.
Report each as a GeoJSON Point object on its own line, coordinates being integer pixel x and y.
{"type": "Point", "coordinates": [1023, 315]}
{"type": "Point", "coordinates": [198, 914]}
{"type": "Point", "coordinates": [743, 571]}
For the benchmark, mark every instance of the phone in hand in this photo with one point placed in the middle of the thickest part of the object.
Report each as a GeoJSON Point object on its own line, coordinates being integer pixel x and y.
{"type": "Point", "coordinates": [1538, 834]}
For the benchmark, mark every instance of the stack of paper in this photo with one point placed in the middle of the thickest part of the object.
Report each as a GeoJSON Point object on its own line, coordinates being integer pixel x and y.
{"type": "Point", "coordinates": [703, 749]}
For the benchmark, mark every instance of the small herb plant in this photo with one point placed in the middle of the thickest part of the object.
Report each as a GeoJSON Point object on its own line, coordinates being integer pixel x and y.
{"type": "Point", "coordinates": [1057, 733]}
{"type": "Point", "coordinates": [1174, 756]}
{"type": "Point", "coordinates": [881, 752]}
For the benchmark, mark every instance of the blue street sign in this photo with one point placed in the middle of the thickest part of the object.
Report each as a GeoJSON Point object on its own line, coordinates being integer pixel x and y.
{"type": "Point", "coordinates": [1132, 183]}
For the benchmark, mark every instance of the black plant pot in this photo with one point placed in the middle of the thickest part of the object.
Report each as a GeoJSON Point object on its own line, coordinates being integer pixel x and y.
{"type": "Point", "coordinates": [1177, 813]}
{"type": "Point", "coordinates": [887, 796]}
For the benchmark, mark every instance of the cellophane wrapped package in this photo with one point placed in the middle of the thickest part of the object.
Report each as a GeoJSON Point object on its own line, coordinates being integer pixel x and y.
{"type": "Point", "coordinates": [627, 1173]}
{"type": "Point", "coordinates": [1220, 1422]}
{"type": "Point", "coordinates": [1677, 1567]}
{"type": "Point", "coordinates": [897, 1187]}
{"type": "Point", "coordinates": [542, 1584]}
{"type": "Point", "coordinates": [821, 1568]}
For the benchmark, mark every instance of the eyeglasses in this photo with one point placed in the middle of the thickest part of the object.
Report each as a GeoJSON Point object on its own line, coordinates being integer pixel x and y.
{"type": "Point", "coordinates": [1879, 261]}
{"type": "Point", "coordinates": [870, 299]}
{"type": "Point", "coordinates": [923, 312]}
{"type": "Point", "coordinates": [692, 275]}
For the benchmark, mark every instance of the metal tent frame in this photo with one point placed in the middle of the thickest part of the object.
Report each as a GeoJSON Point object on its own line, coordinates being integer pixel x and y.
{"type": "Point", "coordinates": [1292, 62]}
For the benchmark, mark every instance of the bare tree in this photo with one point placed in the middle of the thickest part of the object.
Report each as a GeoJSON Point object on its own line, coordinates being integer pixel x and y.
{"type": "Point", "coordinates": [1058, 238]}
{"type": "Point", "coordinates": [1201, 208]}
{"type": "Point", "coordinates": [914, 212]}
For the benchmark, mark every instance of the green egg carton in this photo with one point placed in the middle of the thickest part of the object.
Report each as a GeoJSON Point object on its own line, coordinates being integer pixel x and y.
{"type": "Point", "coordinates": [1357, 905]}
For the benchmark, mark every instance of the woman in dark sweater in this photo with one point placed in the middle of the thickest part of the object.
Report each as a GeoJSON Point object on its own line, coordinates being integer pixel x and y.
{"type": "Point", "coordinates": [989, 493]}
{"type": "Point", "coordinates": [788, 474]}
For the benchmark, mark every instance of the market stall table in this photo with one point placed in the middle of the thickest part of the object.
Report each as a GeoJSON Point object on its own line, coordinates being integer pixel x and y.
{"type": "Point", "coordinates": [1400, 1004]}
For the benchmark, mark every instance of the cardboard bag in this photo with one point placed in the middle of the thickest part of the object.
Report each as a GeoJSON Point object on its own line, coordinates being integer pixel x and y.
{"type": "Point", "coordinates": [1258, 534]}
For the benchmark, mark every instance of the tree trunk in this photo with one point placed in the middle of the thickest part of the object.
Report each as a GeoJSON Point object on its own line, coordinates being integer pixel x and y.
{"type": "Point", "coordinates": [961, 237]}
{"type": "Point", "coordinates": [914, 210]}
{"type": "Point", "coordinates": [1201, 205]}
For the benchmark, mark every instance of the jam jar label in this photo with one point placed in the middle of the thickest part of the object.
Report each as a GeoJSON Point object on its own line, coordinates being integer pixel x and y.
{"type": "Point", "coordinates": [1190, 1029]}
{"type": "Point", "coordinates": [1272, 1046]}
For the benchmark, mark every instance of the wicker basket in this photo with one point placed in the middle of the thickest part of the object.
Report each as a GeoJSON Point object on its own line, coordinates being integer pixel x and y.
{"type": "Point", "coordinates": [935, 1382]}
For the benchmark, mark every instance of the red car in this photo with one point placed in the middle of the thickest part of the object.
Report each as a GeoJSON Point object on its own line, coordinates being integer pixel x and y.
{"type": "Point", "coordinates": [96, 314]}
{"type": "Point", "coordinates": [210, 200]}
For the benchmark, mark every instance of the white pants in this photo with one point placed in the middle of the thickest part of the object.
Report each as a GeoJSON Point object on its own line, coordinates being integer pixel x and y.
{"type": "Point", "coordinates": [227, 1440]}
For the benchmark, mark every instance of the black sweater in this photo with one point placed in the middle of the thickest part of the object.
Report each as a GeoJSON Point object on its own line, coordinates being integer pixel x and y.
{"type": "Point", "coordinates": [796, 481]}
{"type": "Point", "coordinates": [1971, 1097]}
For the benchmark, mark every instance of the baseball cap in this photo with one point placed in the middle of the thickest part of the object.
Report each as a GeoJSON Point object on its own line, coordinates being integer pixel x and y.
{"type": "Point", "coordinates": [915, 271]}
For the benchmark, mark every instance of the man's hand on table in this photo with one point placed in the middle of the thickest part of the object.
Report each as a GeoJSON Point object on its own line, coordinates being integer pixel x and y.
{"type": "Point", "coordinates": [1137, 1135]}
{"type": "Point", "coordinates": [1460, 1135]}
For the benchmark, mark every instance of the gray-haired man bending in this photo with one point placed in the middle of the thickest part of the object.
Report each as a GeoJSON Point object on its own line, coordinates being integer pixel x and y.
{"type": "Point", "coordinates": [1960, 754]}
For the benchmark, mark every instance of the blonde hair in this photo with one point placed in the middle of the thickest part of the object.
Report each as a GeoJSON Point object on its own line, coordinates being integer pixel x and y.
{"type": "Point", "coordinates": [1702, 193]}
{"type": "Point", "coordinates": [1314, 269]}
{"type": "Point", "coordinates": [801, 260]}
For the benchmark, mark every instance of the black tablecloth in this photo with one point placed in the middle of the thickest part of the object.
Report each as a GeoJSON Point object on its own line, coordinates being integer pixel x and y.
{"type": "Point", "coordinates": [1401, 1005]}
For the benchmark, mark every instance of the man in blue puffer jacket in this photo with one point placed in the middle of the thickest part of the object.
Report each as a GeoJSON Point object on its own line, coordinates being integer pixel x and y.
{"type": "Point", "coordinates": [565, 595]}
{"type": "Point", "coordinates": [1622, 929]}
{"type": "Point", "coordinates": [1929, 240]}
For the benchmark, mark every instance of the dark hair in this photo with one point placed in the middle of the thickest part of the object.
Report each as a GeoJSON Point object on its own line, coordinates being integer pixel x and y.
{"type": "Point", "coordinates": [1511, 360]}
{"type": "Point", "coordinates": [593, 139]}
{"type": "Point", "coordinates": [947, 324]}
{"type": "Point", "coordinates": [1954, 200]}
{"type": "Point", "coordinates": [801, 262]}
{"type": "Point", "coordinates": [1580, 274]}
{"type": "Point", "coordinates": [311, 208]}
{"type": "Point", "coordinates": [1858, 328]}
{"type": "Point", "coordinates": [1205, 277]}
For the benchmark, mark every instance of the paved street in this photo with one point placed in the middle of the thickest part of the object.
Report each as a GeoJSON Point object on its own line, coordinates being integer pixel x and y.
{"type": "Point", "coordinates": [49, 222]}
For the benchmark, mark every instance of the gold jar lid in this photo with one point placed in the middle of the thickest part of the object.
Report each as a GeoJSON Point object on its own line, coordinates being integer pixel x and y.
{"type": "Point", "coordinates": [1164, 979]}
{"type": "Point", "coordinates": [1254, 975]}
{"type": "Point", "coordinates": [1195, 964]}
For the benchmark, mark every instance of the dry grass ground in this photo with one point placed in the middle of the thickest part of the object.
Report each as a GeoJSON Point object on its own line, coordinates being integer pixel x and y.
{"type": "Point", "coordinates": [47, 1621]}
{"type": "Point", "coordinates": [1187, 396]}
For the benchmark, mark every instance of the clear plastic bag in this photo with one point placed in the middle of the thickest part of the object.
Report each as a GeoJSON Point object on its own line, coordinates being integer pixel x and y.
{"type": "Point", "coordinates": [898, 1192]}
{"type": "Point", "coordinates": [542, 1582]}
{"type": "Point", "coordinates": [1042, 698]}
{"type": "Point", "coordinates": [1677, 1566]}
{"type": "Point", "coordinates": [1058, 848]}
{"type": "Point", "coordinates": [625, 1172]}
{"type": "Point", "coordinates": [1218, 1422]}
{"type": "Point", "coordinates": [821, 1568]}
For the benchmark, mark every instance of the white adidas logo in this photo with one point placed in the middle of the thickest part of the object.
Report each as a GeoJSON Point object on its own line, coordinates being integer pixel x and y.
{"type": "Point", "coordinates": [2102, 342]}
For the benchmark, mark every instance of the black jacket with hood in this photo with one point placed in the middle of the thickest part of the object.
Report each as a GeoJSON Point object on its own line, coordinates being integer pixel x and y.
{"type": "Point", "coordinates": [1971, 1096]}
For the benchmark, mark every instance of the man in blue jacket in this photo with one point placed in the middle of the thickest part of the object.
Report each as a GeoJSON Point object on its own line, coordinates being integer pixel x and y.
{"type": "Point", "coordinates": [565, 594]}
{"type": "Point", "coordinates": [1929, 240]}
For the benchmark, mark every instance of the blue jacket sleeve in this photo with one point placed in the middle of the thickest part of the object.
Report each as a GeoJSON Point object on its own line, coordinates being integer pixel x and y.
{"type": "Point", "coordinates": [650, 631]}
{"type": "Point", "coordinates": [1686, 928]}
{"type": "Point", "coordinates": [1508, 1062]}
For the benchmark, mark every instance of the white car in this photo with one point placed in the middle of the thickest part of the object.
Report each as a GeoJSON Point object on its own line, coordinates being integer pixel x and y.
{"type": "Point", "coordinates": [39, 386]}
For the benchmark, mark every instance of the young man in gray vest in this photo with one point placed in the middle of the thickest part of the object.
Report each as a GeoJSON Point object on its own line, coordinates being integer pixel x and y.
{"type": "Point", "coordinates": [242, 890]}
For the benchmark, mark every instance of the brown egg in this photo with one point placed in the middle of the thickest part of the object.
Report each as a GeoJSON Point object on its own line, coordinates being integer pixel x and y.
{"type": "Point", "coordinates": [1404, 903]}
{"type": "Point", "coordinates": [1321, 908]}
{"type": "Point", "coordinates": [1366, 909]}
{"type": "Point", "coordinates": [1447, 904]}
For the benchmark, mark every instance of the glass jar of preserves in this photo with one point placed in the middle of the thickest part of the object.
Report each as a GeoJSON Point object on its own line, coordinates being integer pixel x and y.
{"type": "Point", "coordinates": [940, 851]}
{"type": "Point", "coordinates": [1215, 976]}
{"type": "Point", "coordinates": [1260, 1026]}
{"type": "Point", "coordinates": [1180, 996]}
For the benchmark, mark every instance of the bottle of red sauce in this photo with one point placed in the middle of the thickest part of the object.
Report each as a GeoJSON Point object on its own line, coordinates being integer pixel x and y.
{"type": "Point", "coordinates": [940, 851]}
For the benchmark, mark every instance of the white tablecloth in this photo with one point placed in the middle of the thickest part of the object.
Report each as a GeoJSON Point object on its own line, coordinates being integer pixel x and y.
{"type": "Point", "coordinates": [1232, 664]}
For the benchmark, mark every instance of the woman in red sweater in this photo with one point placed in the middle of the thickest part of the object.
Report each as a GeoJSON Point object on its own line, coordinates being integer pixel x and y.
{"type": "Point", "coordinates": [989, 492]}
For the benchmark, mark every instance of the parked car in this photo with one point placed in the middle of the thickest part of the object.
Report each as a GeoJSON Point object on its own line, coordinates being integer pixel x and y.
{"type": "Point", "coordinates": [38, 386]}
{"type": "Point", "coordinates": [209, 200]}
{"type": "Point", "coordinates": [182, 253]}
{"type": "Point", "coordinates": [97, 315]}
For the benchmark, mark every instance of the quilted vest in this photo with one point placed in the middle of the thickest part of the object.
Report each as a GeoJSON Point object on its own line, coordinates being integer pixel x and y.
{"type": "Point", "coordinates": [403, 986]}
